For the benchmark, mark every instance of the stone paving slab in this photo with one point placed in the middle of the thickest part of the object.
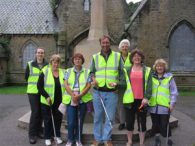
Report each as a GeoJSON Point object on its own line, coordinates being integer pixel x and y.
{"type": "Point", "coordinates": [118, 137]}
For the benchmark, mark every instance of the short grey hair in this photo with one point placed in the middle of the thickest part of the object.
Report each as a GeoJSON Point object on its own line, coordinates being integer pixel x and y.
{"type": "Point", "coordinates": [124, 41]}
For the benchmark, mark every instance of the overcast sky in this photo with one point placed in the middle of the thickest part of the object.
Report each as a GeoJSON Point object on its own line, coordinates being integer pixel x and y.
{"type": "Point", "coordinates": [133, 1]}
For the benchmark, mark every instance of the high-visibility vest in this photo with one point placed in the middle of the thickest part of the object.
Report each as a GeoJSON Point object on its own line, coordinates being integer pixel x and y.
{"type": "Point", "coordinates": [160, 92]}
{"type": "Point", "coordinates": [49, 84]}
{"type": "Point", "coordinates": [128, 95]}
{"type": "Point", "coordinates": [127, 62]}
{"type": "Point", "coordinates": [106, 71]}
{"type": "Point", "coordinates": [84, 74]}
{"type": "Point", "coordinates": [34, 73]}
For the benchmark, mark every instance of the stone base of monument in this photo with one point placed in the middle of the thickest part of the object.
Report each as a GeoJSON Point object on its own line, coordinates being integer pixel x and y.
{"type": "Point", "coordinates": [118, 137]}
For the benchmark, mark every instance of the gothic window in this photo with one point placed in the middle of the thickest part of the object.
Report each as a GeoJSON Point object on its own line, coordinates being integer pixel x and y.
{"type": "Point", "coordinates": [182, 48]}
{"type": "Point", "coordinates": [28, 53]}
{"type": "Point", "coordinates": [86, 5]}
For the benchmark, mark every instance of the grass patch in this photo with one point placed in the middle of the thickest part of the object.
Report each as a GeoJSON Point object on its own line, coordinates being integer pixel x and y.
{"type": "Point", "coordinates": [13, 90]}
{"type": "Point", "coordinates": [186, 91]}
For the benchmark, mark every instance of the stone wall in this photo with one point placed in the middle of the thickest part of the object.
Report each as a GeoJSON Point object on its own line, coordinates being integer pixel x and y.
{"type": "Point", "coordinates": [155, 23]}
{"type": "Point", "coordinates": [152, 28]}
{"type": "Point", "coordinates": [15, 70]}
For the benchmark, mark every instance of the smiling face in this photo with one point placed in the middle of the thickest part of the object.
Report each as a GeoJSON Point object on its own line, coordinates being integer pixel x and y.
{"type": "Point", "coordinates": [78, 61]}
{"type": "Point", "coordinates": [137, 59]}
{"type": "Point", "coordinates": [160, 68]}
{"type": "Point", "coordinates": [40, 54]}
{"type": "Point", "coordinates": [105, 44]}
{"type": "Point", "coordinates": [55, 65]}
{"type": "Point", "coordinates": [124, 48]}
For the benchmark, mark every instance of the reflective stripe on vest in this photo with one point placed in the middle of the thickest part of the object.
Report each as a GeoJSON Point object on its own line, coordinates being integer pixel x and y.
{"type": "Point", "coordinates": [33, 78]}
{"type": "Point", "coordinates": [49, 84]}
{"type": "Point", "coordinates": [160, 92]}
{"type": "Point", "coordinates": [106, 71]}
{"type": "Point", "coordinates": [82, 83]}
{"type": "Point", "coordinates": [128, 95]}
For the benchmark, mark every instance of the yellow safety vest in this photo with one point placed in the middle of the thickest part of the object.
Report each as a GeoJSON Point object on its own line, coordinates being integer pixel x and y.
{"type": "Point", "coordinates": [128, 95]}
{"type": "Point", "coordinates": [82, 84]}
{"type": "Point", "coordinates": [127, 62]}
{"type": "Point", "coordinates": [160, 92]}
{"type": "Point", "coordinates": [106, 71]}
{"type": "Point", "coordinates": [34, 73]}
{"type": "Point", "coordinates": [49, 84]}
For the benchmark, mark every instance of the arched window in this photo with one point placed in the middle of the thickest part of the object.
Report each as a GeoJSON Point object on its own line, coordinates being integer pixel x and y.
{"type": "Point", "coordinates": [28, 53]}
{"type": "Point", "coordinates": [182, 47]}
{"type": "Point", "coordinates": [86, 5]}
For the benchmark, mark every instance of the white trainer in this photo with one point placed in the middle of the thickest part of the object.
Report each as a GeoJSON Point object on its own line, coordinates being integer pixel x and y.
{"type": "Point", "coordinates": [48, 142]}
{"type": "Point", "coordinates": [78, 143]}
{"type": "Point", "coordinates": [59, 140]}
{"type": "Point", "coordinates": [69, 143]}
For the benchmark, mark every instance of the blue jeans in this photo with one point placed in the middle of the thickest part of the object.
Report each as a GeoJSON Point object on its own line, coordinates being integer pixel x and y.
{"type": "Point", "coordinates": [103, 132]}
{"type": "Point", "coordinates": [73, 121]}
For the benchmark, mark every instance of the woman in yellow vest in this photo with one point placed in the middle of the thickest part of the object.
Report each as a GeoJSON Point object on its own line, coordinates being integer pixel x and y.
{"type": "Point", "coordinates": [77, 84]}
{"type": "Point", "coordinates": [138, 91]}
{"type": "Point", "coordinates": [162, 102]}
{"type": "Point", "coordinates": [51, 88]}
{"type": "Point", "coordinates": [124, 48]}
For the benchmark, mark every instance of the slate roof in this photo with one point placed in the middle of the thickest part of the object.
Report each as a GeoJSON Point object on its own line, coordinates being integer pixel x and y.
{"type": "Point", "coordinates": [27, 17]}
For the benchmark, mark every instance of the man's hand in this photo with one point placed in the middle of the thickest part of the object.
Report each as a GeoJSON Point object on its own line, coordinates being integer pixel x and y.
{"type": "Point", "coordinates": [94, 83]}
{"type": "Point", "coordinates": [49, 101]}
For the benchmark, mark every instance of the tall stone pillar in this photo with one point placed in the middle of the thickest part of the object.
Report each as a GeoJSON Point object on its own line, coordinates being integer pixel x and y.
{"type": "Point", "coordinates": [98, 28]}
{"type": "Point", "coordinates": [98, 25]}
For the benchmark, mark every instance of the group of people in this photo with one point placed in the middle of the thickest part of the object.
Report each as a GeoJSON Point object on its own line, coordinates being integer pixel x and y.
{"type": "Point", "coordinates": [121, 82]}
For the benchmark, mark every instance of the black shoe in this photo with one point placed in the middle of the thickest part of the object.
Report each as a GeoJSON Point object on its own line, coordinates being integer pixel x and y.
{"type": "Point", "coordinates": [170, 142]}
{"type": "Point", "coordinates": [157, 141]}
{"type": "Point", "coordinates": [121, 127]}
{"type": "Point", "coordinates": [40, 135]}
{"type": "Point", "coordinates": [32, 140]}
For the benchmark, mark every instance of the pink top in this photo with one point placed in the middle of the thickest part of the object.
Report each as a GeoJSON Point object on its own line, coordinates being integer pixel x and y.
{"type": "Point", "coordinates": [136, 78]}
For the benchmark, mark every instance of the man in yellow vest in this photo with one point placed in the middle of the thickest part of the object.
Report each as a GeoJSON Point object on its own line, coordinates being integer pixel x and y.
{"type": "Point", "coordinates": [33, 70]}
{"type": "Point", "coordinates": [104, 72]}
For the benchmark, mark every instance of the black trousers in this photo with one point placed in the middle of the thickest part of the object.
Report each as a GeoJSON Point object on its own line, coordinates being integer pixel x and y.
{"type": "Point", "coordinates": [160, 123]}
{"type": "Point", "coordinates": [35, 125]}
{"type": "Point", "coordinates": [130, 116]}
{"type": "Point", "coordinates": [48, 126]}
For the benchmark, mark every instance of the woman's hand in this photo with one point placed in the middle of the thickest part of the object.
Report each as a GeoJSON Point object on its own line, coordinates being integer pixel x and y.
{"type": "Point", "coordinates": [112, 84]}
{"type": "Point", "coordinates": [144, 101]}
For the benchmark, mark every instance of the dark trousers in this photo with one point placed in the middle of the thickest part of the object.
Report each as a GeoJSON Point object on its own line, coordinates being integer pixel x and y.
{"type": "Point", "coordinates": [48, 126]}
{"type": "Point", "coordinates": [160, 123]}
{"type": "Point", "coordinates": [35, 125]}
{"type": "Point", "coordinates": [130, 116]}
{"type": "Point", "coordinates": [73, 118]}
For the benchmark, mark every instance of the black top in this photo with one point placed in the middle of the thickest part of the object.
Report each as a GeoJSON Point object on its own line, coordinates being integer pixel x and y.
{"type": "Point", "coordinates": [57, 92]}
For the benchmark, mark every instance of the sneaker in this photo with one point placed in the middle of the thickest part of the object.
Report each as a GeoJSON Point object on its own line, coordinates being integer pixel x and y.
{"type": "Point", "coordinates": [59, 140]}
{"type": "Point", "coordinates": [108, 143]}
{"type": "Point", "coordinates": [78, 143]}
{"type": "Point", "coordinates": [47, 142]}
{"type": "Point", "coordinates": [121, 126]}
{"type": "Point", "coordinates": [95, 143]}
{"type": "Point", "coordinates": [69, 143]}
{"type": "Point", "coordinates": [170, 142]}
{"type": "Point", "coordinates": [128, 144]}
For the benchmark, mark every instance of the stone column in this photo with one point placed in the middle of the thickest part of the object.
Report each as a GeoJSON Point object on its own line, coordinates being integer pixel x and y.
{"type": "Point", "coordinates": [98, 26]}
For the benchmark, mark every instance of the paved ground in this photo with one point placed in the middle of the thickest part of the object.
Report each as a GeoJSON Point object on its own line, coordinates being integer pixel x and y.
{"type": "Point", "coordinates": [13, 107]}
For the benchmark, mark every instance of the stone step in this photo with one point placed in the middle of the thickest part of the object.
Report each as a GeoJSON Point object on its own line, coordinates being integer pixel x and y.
{"type": "Point", "coordinates": [118, 137]}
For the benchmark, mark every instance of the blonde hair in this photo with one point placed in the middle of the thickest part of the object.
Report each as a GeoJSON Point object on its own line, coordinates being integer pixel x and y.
{"type": "Point", "coordinates": [160, 61]}
{"type": "Point", "coordinates": [123, 42]}
{"type": "Point", "coordinates": [55, 57]}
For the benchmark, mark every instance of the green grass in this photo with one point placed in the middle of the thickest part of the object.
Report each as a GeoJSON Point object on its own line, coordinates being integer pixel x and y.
{"type": "Point", "coordinates": [13, 90]}
{"type": "Point", "coordinates": [22, 90]}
